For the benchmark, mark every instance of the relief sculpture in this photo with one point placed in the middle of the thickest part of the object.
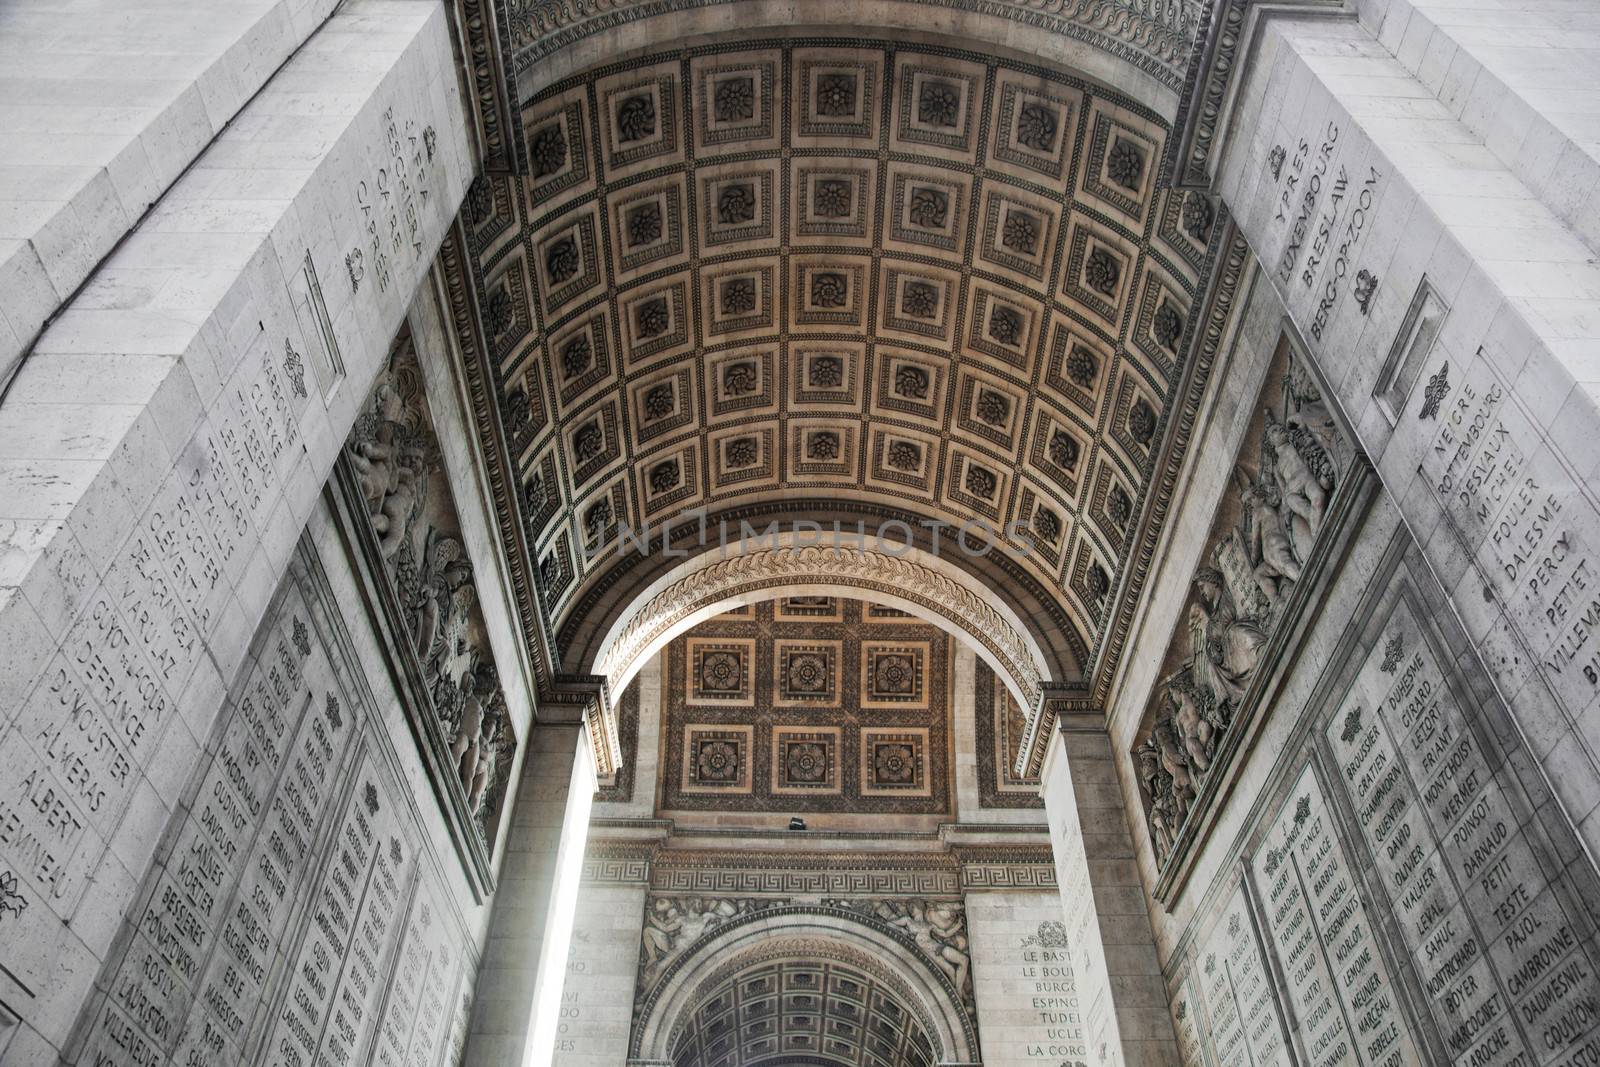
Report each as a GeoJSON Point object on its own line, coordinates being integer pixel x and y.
{"type": "Point", "coordinates": [397, 468]}
{"type": "Point", "coordinates": [674, 923]}
{"type": "Point", "coordinates": [938, 927]}
{"type": "Point", "coordinates": [1266, 533]}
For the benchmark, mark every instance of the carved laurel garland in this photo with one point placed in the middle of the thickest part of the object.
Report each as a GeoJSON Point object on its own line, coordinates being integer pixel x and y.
{"type": "Point", "coordinates": [811, 565]}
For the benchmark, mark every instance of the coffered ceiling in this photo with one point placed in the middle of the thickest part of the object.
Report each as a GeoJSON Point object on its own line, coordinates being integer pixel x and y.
{"type": "Point", "coordinates": [812, 1011]}
{"type": "Point", "coordinates": [776, 275]}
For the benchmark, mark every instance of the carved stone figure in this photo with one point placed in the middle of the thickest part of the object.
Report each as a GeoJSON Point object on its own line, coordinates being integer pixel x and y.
{"type": "Point", "coordinates": [1280, 503]}
{"type": "Point", "coordinates": [1225, 648]}
{"type": "Point", "coordinates": [1195, 730]}
{"type": "Point", "coordinates": [939, 929]}
{"type": "Point", "coordinates": [947, 928]}
{"type": "Point", "coordinates": [1157, 785]}
{"type": "Point", "coordinates": [1267, 541]}
{"type": "Point", "coordinates": [396, 464]}
{"type": "Point", "coordinates": [389, 465]}
{"type": "Point", "coordinates": [674, 923]}
{"type": "Point", "coordinates": [1174, 762]}
{"type": "Point", "coordinates": [1303, 495]}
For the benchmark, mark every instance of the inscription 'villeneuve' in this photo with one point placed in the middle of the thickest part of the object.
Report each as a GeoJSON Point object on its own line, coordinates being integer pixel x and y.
{"type": "Point", "coordinates": [1503, 967]}
{"type": "Point", "coordinates": [1514, 507]}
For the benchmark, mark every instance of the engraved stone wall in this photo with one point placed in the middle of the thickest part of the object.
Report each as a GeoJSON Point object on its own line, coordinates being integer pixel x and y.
{"type": "Point", "coordinates": [298, 910]}
{"type": "Point", "coordinates": [1392, 880]}
{"type": "Point", "coordinates": [150, 500]}
{"type": "Point", "coordinates": [1028, 1001]}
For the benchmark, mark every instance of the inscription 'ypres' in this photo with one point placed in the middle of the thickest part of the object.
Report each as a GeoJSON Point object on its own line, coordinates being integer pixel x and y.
{"type": "Point", "coordinates": [1308, 199]}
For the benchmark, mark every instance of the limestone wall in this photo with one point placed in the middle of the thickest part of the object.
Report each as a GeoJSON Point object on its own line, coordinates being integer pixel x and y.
{"type": "Point", "coordinates": [303, 904]}
{"type": "Point", "coordinates": [162, 449]}
{"type": "Point", "coordinates": [1387, 875]}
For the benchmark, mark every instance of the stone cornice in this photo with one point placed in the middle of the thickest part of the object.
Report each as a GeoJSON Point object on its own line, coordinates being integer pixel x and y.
{"type": "Point", "coordinates": [1231, 28]}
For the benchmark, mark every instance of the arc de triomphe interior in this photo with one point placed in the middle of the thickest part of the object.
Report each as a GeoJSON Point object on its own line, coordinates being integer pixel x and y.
{"type": "Point", "coordinates": [754, 534]}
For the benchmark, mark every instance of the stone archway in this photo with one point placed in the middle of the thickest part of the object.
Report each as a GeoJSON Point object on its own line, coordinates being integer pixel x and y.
{"type": "Point", "coordinates": [928, 1012]}
{"type": "Point", "coordinates": [900, 577]}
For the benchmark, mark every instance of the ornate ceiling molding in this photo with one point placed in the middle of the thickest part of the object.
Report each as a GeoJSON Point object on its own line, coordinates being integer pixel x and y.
{"type": "Point", "coordinates": [1229, 31]}
{"type": "Point", "coordinates": [717, 581]}
{"type": "Point", "coordinates": [1154, 38]}
{"type": "Point", "coordinates": [480, 31]}
{"type": "Point", "coordinates": [920, 279]}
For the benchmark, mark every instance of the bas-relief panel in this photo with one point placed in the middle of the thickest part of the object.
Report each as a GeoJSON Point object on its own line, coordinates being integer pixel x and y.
{"type": "Point", "coordinates": [1266, 551]}
{"type": "Point", "coordinates": [295, 912]}
{"type": "Point", "coordinates": [1412, 894]}
{"type": "Point", "coordinates": [408, 531]}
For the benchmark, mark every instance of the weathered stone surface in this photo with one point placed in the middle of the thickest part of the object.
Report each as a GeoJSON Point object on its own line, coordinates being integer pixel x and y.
{"type": "Point", "coordinates": [105, 105]}
{"type": "Point", "coordinates": [141, 557]}
{"type": "Point", "coordinates": [1022, 964]}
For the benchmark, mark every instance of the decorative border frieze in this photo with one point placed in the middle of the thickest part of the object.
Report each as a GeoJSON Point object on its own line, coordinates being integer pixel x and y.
{"type": "Point", "coordinates": [1155, 39]}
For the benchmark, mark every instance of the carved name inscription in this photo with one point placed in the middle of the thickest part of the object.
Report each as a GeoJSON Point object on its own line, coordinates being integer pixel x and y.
{"type": "Point", "coordinates": [1506, 974]}
{"type": "Point", "coordinates": [1518, 514]}
{"type": "Point", "coordinates": [1339, 989]}
{"type": "Point", "coordinates": [1244, 1023]}
{"type": "Point", "coordinates": [1186, 1024]}
{"type": "Point", "coordinates": [1044, 981]}
{"type": "Point", "coordinates": [288, 912]}
{"type": "Point", "coordinates": [337, 975]}
{"type": "Point", "coordinates": [1325, 231]}
{"type": "Point", "coordinates": [196, 969]}
{"type": "Point", "coordinates": [420, 1017]}
{"type": "Point", "coordinates": [390, 202]}
{"type": "Point", "coordinates": [1081, 925]}
{"type": "Point", "coordinates": [89, 731]}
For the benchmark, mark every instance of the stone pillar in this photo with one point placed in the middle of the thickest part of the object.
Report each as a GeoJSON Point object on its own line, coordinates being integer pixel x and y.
{"type": "Point", "coordinates": [1113, 954]}
{"type": "Point", "coordinates": [517, 1013]}
{"type": "Point", "coordinates": [162, 448]}
{"type": "Point", "coordinates": [1022, 976]}
{"type": "Point", "coordinates": [963, 665]}
{"type": "Point", "coordinates": [645, 751]}
{"type": "Point", "coordinates": [602, 966]}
